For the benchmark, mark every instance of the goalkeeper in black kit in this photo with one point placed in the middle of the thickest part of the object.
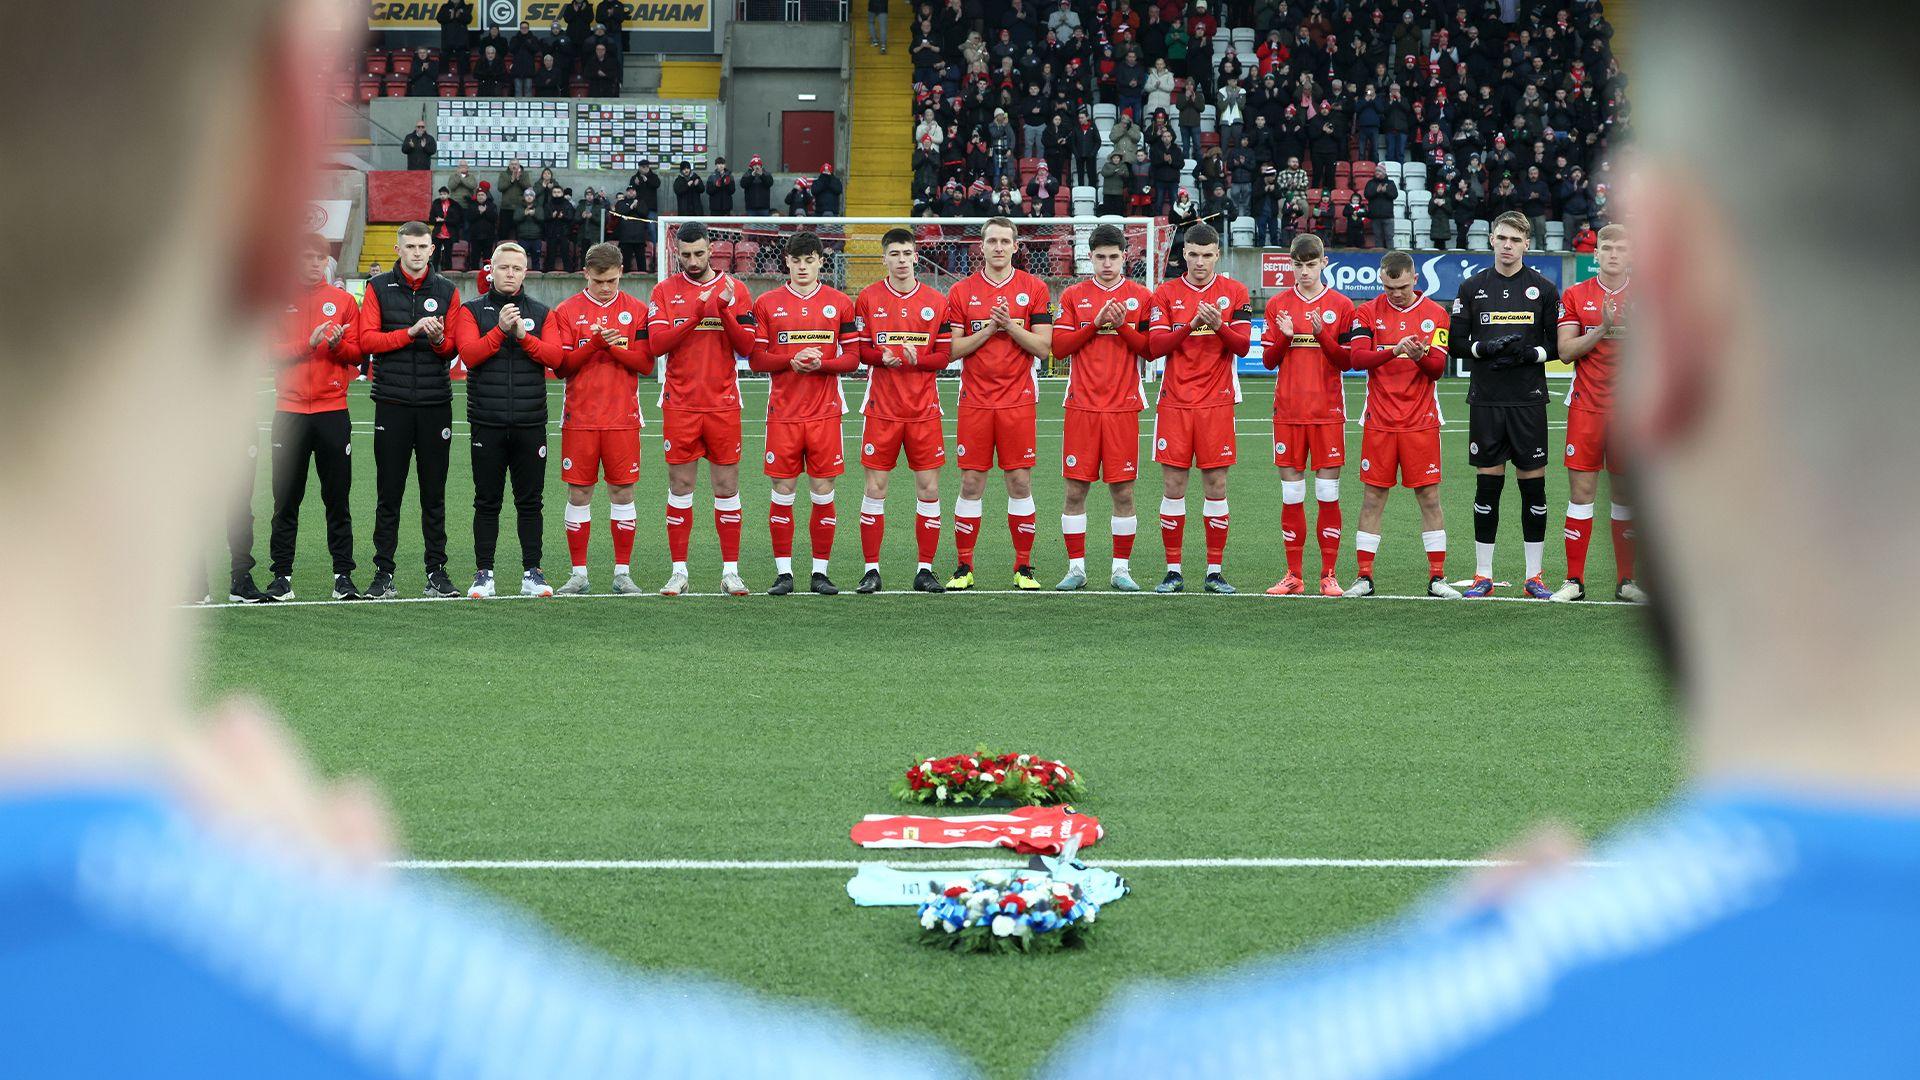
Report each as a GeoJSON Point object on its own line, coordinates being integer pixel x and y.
{"type": "Point", "coordinates": [1504, 326]}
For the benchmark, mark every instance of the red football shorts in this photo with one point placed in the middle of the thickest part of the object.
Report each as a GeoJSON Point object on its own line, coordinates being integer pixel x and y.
{"type": "Point", "coordinates": [882, 439]}
{"type": "Point", "coordinates": [1008, 434]}
{"type": "Point", "coordinates": [804, 446]}
{"type": "Point", "coordinates": [1102, 446]}
{"type": "Point", "coordinates": [691, 436]}
{"type": "Point", "coordinates": [1413, 455]}
{"type": "Point", "coordinates": [1190, 438]}
{"type": "Point", "coordinates": [1587, 442]}
{"type": "Point", "coordinates": [585, 453]}
{"type": "Point", "coordinates": [1294, 445]}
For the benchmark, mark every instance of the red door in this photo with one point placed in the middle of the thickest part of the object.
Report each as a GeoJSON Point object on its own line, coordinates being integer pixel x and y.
{"type": "Point", "coordinates": [806, 140]}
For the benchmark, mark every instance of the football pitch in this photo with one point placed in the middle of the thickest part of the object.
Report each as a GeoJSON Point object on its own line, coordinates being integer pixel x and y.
{"type": "Point", "coordinates": [1373, 734]}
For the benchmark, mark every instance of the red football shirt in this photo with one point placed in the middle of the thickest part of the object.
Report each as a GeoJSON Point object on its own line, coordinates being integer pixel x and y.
{"type": "Point", "coordinates": [1104, 375]}
{"type": "Point", "coordinates": [786, 322]}
{"type": "Point", "coordinates": [999, 374]}
{"type": "Point", "coordinates": [603, 387]}
{"type": "Point", "coordinates": [1307, 385]}
{"type": "Point", "coordinates": [883, 317]}
{"type": "Point", "coordinates": [1400, 395]}
{"type": "Point", "coordinates": [1202, 369]}
{"type": "Point", "coordinates": [698, 371]}
{"type": "Point", "coordinates": [1593, 373]}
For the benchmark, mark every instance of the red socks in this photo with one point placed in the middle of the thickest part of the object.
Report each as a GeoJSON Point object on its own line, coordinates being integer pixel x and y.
{"type": "Point", "coordinates": [679, 525]}
{"type": "Point", "coordinates": [726, 522]}
{"type": "Point", "coordinates": [926, 527]}
{"type": "Point", "coordinates": [623, 520]}
{"type": "Point", "coordinates": [579, 522]}
{"type": "Point", "coordinates": [1579, 536]}
{"type": "Point", "coordinates": [1123, 532]}
{"type": "Point", "coordinates": [873, 529]}
{"type": "Point", "coordinates": [966, 528]}
{"type": "Point", "coordinates": [1021, 526]}
{"type": "Point", "coordinates": [1073, 529]}
{"type": "Point", "coordinates": [1293, 529]}
{"type": "Point", "coordinates": [1173, 528]}
{"type": "Point", "coordinates": [821, 525]}
{"type": "Point", "coordinates": [780, 525]}
{"type": "Point", "coordinates": [1328, 522]}
{"type": "Point", "coordinates": [1623, 540]}
{"type": "Point", "coordinates": [1215, 511]}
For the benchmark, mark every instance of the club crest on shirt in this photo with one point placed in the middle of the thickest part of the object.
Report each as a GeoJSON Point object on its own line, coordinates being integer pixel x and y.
{"type": "Point", "coordinates": [1020, 298]}
{"type": "Point", "coordinates": [1133, 303]}
{"type": "Point", "coordinates": [925, 313]}
{"type": "Point", "coordinates": [1426, 326]}
{"type": "Point", "coordinates": [827, 311]}
{"type": "Point", "coordinates": [1328, 317]}
{"type": "Point", "coordinates": [431, 305]}
{"type": "Point", "coordinates": [626, 317]}
{"type": "Point", "coordinates": [1533, 292]}
{"type": "Point", "coordinates": [328, 308]}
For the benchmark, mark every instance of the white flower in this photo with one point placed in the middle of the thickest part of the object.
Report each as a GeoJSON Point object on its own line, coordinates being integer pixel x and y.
{"type": "Point", "coordinates": [928, 918]}
{"type": "Point", "coordinates": [994, 878]}
{"type": "Point", "coordinates": [1089, 912]}
{"type": "Point", "coordinates": [1025, 758]}
{"type": "Point", "coordinates": [1004, 926]}
{"type": "Point", "coordinates": [940, 792]}
{"type": "Point", "coordinates": [926, 768]}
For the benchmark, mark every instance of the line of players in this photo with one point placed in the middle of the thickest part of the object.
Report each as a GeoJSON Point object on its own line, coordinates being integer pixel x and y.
{"type": "Point", "coordinates": [1000, 320]}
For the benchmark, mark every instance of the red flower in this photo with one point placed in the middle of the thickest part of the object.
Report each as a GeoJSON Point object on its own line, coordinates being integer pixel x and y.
{"type": "Point", "coordinates": [955, 890]}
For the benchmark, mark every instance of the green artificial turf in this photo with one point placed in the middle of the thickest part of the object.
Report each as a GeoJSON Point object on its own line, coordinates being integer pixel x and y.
{"type": "Point", "coordinates": [762, 728]}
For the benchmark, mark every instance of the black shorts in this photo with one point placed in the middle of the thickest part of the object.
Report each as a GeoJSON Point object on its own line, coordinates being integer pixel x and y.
{"type": "Point", "coordinates": [1497, 434]}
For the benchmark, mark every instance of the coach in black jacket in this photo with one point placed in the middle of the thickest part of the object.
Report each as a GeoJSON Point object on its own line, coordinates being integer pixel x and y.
{"type": "Point", "coordinates": [499, 338]}
{"type": "Point", "coordinates": [403, 334]}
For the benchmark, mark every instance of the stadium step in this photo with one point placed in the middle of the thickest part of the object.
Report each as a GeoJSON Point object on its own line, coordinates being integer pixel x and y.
{"type": "Point", "coordinates": [376, 246]}
{"type": "Point", "coordinates": [1621, 13]}
{"type": "Point", "coordinates": [690, 79]}
{"type": "Point", "coordinates": [882, 150]}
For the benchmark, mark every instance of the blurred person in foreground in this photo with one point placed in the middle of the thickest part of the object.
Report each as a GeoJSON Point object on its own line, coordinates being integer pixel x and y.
{"type": "Point", "coordinates": [1768, 922]}
{"type": "Point", "coordinates": [182, 895]}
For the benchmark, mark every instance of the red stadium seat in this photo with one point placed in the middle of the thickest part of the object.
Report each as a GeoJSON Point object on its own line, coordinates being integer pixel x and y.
{"type": "Point", "coordinates": [449, 86]}
{"type": "Point", "coordinates": [577, 88]}
{"type": "Point", "coordinates": [1362, 172]}
{"type": "Point", "coordinates": [396, 88]}
{"type": "Point", "coordinates": [1209, 138]}
{"type": "Point", "coordinates": [374, 62]}
{"type": "Point", "coordinates": [722, 255]}
{"type": "Point", "coordinates": [368, 90]}
{"type": "Point", "coordinates": [1313, 196]}
{"type": "Point", "coordinates": [469, 88]}
{"type": "Point", "coordinates": [400, 64]}
{"type": "Point", "coordinates": [744, 254]}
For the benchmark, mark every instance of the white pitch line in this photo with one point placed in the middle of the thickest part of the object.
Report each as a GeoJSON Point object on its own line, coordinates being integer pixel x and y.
{"type": "Point", "coordinates": [1084, 593]}
{"type": "Point", "coordinates": [851, 864]}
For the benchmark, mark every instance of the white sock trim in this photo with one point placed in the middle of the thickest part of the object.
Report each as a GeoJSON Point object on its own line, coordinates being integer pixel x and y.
{"type": "Point", "coordinates": [1020, 507]}
{"type": "Point", "coordinates": [926, 509]}
{"type": "Point", "coordinates": [1434, 540]}
{"type": "Point", "coordinates": [821, 498]}
{"type": "Point", "coordinates": [783, 564]}
{"type": "Point", "coordinates": [1620, 513]}
{"type": "Point", "coordinates": [782, 498]}
{"type": "Point", "coordinates": [725, 567]}
{"type": "Point", "coordinates": [1326, 490]}
{"type": "Point", "coordinates": [1073, 523]}
{"type": "Point", "coordinates": [731, 502]}
{"type": "Point", "coordinates": [622, 512]}
{"type": "Point", "coordinates": [969, 508]}
{"type": "Point", "coordinates": [1366, 541]}
{"type": "Point", "coordinates": [1293, 491]}
{"type": "Point", "coordinates": [819, 566]}
{"type": "Point", "coordinates": [1214, 508]}
{"type": "Point", "coordinates": [1482, 559]}
{"type": "Point", "coordinates": [872, 506]}
{"type": "Point", "coordinates": [685, 502]}
{"type": "Point", "coordinates": [1579, 511]}
{"type": "Point", "coordinates": [1536, 555]}
{"type": "Point", "coordinates": [1124, 526]}
{"type": "Point", "coordinates": [578, 515]}
{"type": "Point", "coordinates": [1173, 508]}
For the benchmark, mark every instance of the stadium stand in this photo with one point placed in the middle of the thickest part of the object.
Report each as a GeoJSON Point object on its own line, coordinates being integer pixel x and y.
{"type": "Point", "coordinates": [1414, 121]}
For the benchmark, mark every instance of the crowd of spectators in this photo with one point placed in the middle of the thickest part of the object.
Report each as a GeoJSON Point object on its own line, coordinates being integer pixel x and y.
{"type": "Point", "coordinates": [1343, 118]}
{"type": "Point", "coordinates": [581, 55]}
{"type": "Point", "coordinates": [469, 215]}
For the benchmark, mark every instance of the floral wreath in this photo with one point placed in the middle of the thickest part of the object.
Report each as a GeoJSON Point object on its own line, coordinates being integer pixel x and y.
{"type": "Point", "coordinates": [987, 778]}
{"type": "Point", "coordinates": [1004, 911]}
